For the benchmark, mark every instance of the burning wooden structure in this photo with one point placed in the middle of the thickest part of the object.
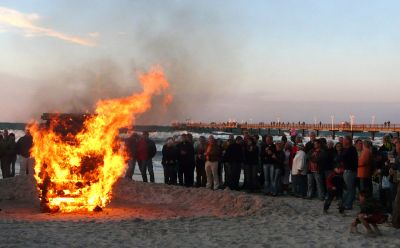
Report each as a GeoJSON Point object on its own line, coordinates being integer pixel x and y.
{"type": "Point", "coordinates": [67, 126]}
{"type": "Point", "coordinates": [78, 157]}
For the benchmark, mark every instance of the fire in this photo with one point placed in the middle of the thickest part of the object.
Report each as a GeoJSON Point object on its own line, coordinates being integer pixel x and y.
{"type": "Point", "coordinates": [77, 172]}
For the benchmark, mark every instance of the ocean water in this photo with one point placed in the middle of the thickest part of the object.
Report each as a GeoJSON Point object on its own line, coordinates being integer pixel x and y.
{"type": "Point", "coordinates": [160, 137]}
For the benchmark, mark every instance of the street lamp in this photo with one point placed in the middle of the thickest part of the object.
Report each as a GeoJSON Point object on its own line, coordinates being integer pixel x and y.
{"type": "Point", "coordinates": [332, 120]}
{"type": "Point", "coordinates": [373, 120]}
{"type": "Point", "coordinates": [279, 120]}
{"type": "Point", "coordinates": [352, 118]}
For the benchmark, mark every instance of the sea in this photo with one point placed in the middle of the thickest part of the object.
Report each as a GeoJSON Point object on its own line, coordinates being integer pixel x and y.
{"type": "Point", "coordinates": [160, 134]}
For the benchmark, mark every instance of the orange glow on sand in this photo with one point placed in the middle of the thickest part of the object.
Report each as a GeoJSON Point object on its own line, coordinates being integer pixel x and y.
{"type": "Point", "coordinates": [80, 171]}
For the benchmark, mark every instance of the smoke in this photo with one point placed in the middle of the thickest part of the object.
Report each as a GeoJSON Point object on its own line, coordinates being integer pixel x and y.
{"type": "Point", "coordinates": [78, 90]}
{"type": "Point", "coordinates": [189, 41]}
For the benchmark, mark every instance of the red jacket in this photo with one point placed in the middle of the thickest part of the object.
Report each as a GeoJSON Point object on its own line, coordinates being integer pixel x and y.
{"type": "Point", "coordinates": [335, 180]}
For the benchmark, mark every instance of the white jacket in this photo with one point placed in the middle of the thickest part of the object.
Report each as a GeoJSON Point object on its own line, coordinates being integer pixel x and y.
{"type": "Point", "coordinates": [299, 163]}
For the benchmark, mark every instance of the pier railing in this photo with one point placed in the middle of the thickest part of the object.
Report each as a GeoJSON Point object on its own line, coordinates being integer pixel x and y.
{"type": "Point", "coordinates": [345, 127]}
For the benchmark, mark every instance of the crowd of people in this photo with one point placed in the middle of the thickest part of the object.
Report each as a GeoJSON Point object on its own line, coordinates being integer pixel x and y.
{"type": "Point", "coordinates": [10, 148]}
{"type": "Point", "coordinates": [319, 169]}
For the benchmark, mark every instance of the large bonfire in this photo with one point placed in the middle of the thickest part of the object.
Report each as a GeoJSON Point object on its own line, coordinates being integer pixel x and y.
{"type": "Point", "coordinates": [78, 172]}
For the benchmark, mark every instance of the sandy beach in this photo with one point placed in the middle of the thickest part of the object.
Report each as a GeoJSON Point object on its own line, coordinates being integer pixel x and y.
{"type": "Point", "coordinates": [155, 215]}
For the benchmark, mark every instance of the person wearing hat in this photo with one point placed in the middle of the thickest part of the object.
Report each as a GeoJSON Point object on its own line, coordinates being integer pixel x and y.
{"type": "Point", "coordinates": [299, 172]}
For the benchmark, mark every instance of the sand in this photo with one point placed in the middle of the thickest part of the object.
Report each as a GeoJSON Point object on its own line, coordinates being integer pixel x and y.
{"type": "Point", "coordinates": [156, 215]}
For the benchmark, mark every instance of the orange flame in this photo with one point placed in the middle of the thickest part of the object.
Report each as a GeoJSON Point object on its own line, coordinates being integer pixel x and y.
{"type": "Point", "coordinates": [77, 172]}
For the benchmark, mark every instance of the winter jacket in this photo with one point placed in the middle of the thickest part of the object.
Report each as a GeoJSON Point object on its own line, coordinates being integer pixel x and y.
{"type": "Point", "coordinates": [10, 148]}
{"type": "Point", "coordinates": [335, 180]}
{"type": "Point", "coordinates": [267, 158]}
{"type": "Point", "coordinates": [234, 153]}
{"type": "Point", "coordinates": [170, 155]}
{"type": "Point", "coordinates": [213, 153]}
{"type": "Point", "coordinates": [279, 160]}
{"type": "Point", "coordinates": [330, 159]}
{"type": "Point", "coordinates": [200, 150]}
{"type": "Point", "coordinates": [299, 166]}
{"type": "Point", "coordinates": [316, 160]}
{"type": "Point", "coordinates": [349, 159]}
{"type": "Point", "coordinates": [146, 149]}
{"type": "Point", "coordinates": [309, 147]}
{"type": "Point", "coordinates": [131, 147]}
{"type": "Point", "coordinates": [251, 155]}
{"type": "Point", "coordinates": [24, 145]}
{"type": "Point", "coordinates": [186, 153]}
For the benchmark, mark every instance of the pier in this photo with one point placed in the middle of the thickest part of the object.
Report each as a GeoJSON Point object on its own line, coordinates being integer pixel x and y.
{"type": "Point", "coordinates": [352, 129]}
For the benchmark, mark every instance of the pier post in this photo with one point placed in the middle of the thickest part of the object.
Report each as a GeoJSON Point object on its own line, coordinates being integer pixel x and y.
{"type": "Point", "coordinates": [333, 134]}
{"type": "Point", "coordinates": [317, 133]}
{"type": "Point", "coordinates": [279, 131]}
{"type": "Point", "coordinates": [303, 133]}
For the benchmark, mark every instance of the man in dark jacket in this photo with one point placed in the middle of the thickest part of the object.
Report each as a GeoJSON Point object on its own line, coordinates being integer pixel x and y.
{"type": "Point", "coordinates": [234, 158]}
{"type": "Point", "coordinates": [131, 146]}
{"type": "Point", "coordinates": [146, 150]}
{"type": "Point", "coordinates": [310, 144]}
{"type": "Point", "coordinates": [11, 153]}
{"type": "Point", "coordinates": [170, 156]}
{"type": "Point", "coordinates": [186, 162]}
{"type": "Point", "coordinates": [23, 147]}
{"type": "Point", "coordinates": [200, 150]}
{"type": "Point", "coordinates": [267, 153]}
{"type": "Point", "coordinates": [251, 163]}
{"type": "Point", "coordinates": [8, 147]}
{"type": "Point", "coordinates": [316, 163]}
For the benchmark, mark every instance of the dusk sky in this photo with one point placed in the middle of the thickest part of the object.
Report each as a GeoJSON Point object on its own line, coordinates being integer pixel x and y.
{"type": "Point", "coordinates": [244, 60]}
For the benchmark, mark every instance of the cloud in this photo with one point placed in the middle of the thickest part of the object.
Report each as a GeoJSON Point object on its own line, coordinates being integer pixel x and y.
{"type": "Point", "coordinates": [94, 34]}
{"type": "Point", "coordinates": [10, 18]}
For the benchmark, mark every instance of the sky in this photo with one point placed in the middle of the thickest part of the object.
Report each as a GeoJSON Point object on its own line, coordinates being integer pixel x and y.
{"type": "Point", "coordinates": [241, 60]}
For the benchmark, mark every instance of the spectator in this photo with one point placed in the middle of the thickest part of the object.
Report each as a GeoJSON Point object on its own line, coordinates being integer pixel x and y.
{"type": "Point", "coordinates": [131, 146]}
{"type": "Point", "coordinates": [315, 165]}
{"type": "Point", "coordinates": [146, 150]}
{"type": "Point", "coordinates": [213, 154]}
{"type": "Point", "coordinates": [186, 162]}
{"type": "Point", "coordinates": [170, 156]}
{"type": "Point", "coordinates": [23, 147]}
{"type": "Point", "coordinates": [364, 172]}
{"type": "Point", "coordinates": [12, 153]}
{"type": "Point", "coordinates": [251, 163]}
{"type": "Point", "coordinates": [234, 157]}
{"type": "Point", "coordinates": [227, 168]}
{"type": "Point", "coordinates": [299, 172]}
{"type": "Point", "coordinates": [335, 185]}
{"type": "Point", "coordinates": [349, 159]}
{"type": "Point", "coordinates": [278, 159]}
{"type": "Point", "coordinates": [287, 165]}
{"type": "Point", "coordinates": [310, 144]}
{"type": "Point", "coordinates": [371, 213]}
{"type": "Point", "coordinates": [268, 163]}
{"type": "Point", "coordinates": [359, 146]}
{"type": "Point", "coordinates": [200, 150]}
